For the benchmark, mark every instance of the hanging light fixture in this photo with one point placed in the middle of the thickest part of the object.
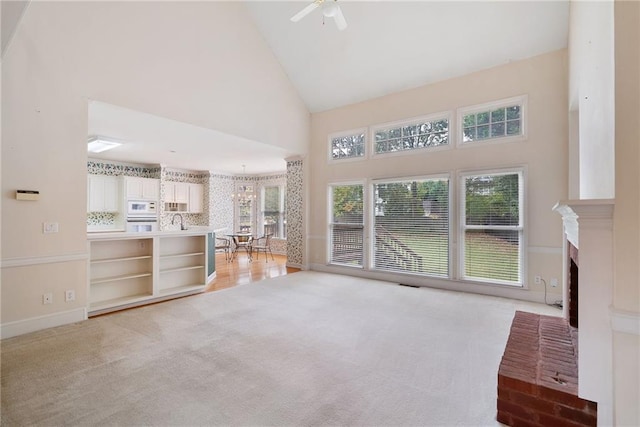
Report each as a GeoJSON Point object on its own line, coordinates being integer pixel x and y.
{"type": "Point", "coordinates": [245, 192]}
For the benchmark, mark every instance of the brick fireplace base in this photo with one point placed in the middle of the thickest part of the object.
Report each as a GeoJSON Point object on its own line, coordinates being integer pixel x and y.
{"type": "Point", "coordinates": [538, 375]}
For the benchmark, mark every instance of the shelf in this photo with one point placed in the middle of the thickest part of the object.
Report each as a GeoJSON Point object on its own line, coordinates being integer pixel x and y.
{"type": "Point", "coordinates": [181, 255]}
{"type": "Point", "coordinates": [171, 270]}
{"type": "Point", "coordinates": [101, 261]}
{"type": "Point", "coordinates": [115, 302]}
{"type": "Point", "coordinates": [181, 289]}
{"type": "Point", "coordinates": [118, 278]}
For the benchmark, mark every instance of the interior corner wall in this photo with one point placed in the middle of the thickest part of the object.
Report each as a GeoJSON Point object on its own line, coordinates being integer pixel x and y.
{"type": "Point", "coordinates": [208, 70]}
{"type": "Point", "coordinates": [591, 83]}
{"type": "Point", "coordinates": [626, 288]}
{"type": "Point", "coordinates": [543, 78]}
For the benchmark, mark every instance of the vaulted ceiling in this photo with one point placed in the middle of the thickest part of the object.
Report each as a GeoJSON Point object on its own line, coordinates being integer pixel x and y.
{"type": "Point", "coordinates": [388, 46]}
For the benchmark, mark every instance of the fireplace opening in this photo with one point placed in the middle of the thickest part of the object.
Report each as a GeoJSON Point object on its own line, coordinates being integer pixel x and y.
{"type": "Point", "coordinates": [572, 281]}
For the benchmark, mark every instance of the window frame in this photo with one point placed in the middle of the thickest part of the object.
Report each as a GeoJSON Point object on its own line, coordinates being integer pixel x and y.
{"type": "Point", "coordinates": [521, 100]}
{"type": "Point", "coordinates": [522, 228]}
{"type": "Point", "coordinates": [443, 115]}
{"type": "Point", "coordinates": [253, 216]}
{"type": "Point", "coordinates": [451, 226]}
{"type": "Point", "coordinates": [282, 188]}
{"type": "Point", "coordinates": [330, 223]}
{"type": "Point", "coordinates": [331, 136]}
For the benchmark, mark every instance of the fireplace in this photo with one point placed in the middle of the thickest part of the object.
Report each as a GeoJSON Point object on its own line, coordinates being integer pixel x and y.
{"type": "Point", "coordinates": [536, 378]}
{"type": "Point", "coordinates": [572, 283]}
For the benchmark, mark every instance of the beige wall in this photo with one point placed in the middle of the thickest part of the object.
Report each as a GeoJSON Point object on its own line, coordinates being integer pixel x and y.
{"type": "Point", "coordinates": [544, 153]}
{"type": "Point", "coordinates": [626, 291]}
{"type": "Point", "coordinates": [202, 63]}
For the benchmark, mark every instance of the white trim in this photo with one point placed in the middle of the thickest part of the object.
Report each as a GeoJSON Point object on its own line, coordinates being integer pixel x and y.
{"type": "Point", "coordinates": [443, 115]}
{"type": "Point", "coordinates": [521, 100]}
{"type": "Point", "coordinates": [24, 261]}
{"type": "Point", "coordinates": [522, 227]}
{"type": "Point", "coordinates": [624, 321]}
{"type": "Point", "coordinates": [358, 131]}
{"type": "Point", "coordinates": [489, 289]}
{"type": "Point", "coordinates": [20, 327]}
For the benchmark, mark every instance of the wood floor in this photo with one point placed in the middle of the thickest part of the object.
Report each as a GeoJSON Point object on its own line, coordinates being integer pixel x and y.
{"type": "Point", "coordinates": [242, 271]}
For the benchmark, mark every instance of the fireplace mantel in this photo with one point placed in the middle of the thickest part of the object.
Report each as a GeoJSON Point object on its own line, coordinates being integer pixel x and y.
{"type": "Point", "coordinates": [600, 210]}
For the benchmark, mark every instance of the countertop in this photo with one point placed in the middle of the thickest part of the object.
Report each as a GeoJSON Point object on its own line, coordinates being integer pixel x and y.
{"type": "Point", "coordinates": [190, 231]}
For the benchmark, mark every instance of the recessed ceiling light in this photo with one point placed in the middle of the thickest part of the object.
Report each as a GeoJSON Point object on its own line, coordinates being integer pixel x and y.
{"type": "Point", "coordinates": [98, 144]}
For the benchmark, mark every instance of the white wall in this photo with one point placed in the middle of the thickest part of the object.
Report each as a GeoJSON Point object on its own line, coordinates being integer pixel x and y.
{"type": "Point", "coordinates": [542, 78]}
{"type": "Point", "coordinates": [198, 62]}
{"type": "Point", "coordinates": [591, 89]}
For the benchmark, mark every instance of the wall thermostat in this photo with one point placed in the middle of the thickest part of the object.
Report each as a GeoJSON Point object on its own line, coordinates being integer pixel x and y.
{"type": "Point", "coordinates": [27, 195]}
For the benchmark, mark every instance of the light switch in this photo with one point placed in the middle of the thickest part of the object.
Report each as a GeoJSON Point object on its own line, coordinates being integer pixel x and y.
{"type": "Point", "coordinates": [50, 227]}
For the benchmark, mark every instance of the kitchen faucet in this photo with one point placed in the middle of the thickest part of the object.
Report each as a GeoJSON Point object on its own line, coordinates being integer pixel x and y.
{"type": "Point", "coordinates": [182, 227]}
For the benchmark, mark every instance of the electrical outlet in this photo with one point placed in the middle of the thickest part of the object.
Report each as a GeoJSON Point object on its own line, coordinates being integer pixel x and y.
{"type": "Point", "coordinates": [47, 298]}
{"type": "Point", "coordinates": [69, 295]}
{"type": "Point", "coordinates": [553, 282]}
{"type": "Point", "coordinates": [537, 280]}
{"type": "Point", "coordinates": [49, 227]}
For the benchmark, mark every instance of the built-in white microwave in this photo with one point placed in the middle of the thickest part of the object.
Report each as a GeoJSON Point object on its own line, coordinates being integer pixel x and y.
{"type": "Point", "coordinates": [141, 208]}
{"type": "Point", "coordinates": [142, 226]}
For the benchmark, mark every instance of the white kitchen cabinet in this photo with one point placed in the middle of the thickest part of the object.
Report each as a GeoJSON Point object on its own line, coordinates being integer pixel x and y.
{"type": "Point", "coordinates": [103, 193]}
{"type": "Point", "coordinates": [183, 197]}
{"type": "Point", "coordinates": [176, 192]}
{"type": "Point", "coordinates": [196, 198]}
{"type": "Point", "coordinates": [142, 188]}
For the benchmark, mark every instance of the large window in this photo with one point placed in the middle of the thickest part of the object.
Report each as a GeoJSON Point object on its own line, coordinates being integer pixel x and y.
{"type": "Point", "coordinates": [273, 209]}
{"type": "Point", "coordinates": [346, 224]}
{"type": "Point", "coordinates": [244, 199]}
{"type": "Point", "coordinates": [492, 227]}
{"type": "Point", "coordinates": [347, 145]}
{"type": "Point", "coordinates": [411, 226]}
{"type": "Point", "coordinates": [426, 132]}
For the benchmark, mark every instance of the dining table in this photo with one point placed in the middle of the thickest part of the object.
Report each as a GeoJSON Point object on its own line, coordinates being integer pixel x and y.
{"type": "Point", "coordinates": [241, 240]}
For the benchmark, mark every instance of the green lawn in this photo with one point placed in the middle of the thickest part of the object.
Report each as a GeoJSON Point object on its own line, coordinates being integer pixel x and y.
{"type": "Point", "coordinates": [487, 256]}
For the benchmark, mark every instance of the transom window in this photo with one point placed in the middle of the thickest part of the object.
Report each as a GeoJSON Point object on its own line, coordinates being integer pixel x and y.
{"type": "Point", "coordinates": [425, 132]}
{"type": "Point", "coordinates": [348, 145]}
{"type": "Point", "coordinates": [501, 120]}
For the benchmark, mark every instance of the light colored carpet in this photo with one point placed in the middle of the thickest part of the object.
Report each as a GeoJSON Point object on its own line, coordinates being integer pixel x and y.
{"type": "Point", "coordinates": [307, 349]}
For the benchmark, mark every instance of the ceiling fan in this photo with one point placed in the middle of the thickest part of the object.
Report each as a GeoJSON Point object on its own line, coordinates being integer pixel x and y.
{"type": "Point", "coordinates": [330, 9]}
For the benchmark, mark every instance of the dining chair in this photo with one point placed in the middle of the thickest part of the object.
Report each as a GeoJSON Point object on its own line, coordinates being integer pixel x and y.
{"type": "Point", "coordinates": [243, 241]}
{"type": "Point", "coordinates": [224, 244]}
{"type": "Point", "coordinates": [262, 244]}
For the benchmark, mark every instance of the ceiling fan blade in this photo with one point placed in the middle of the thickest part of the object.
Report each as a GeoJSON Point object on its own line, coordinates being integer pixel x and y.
{"type": "Point", "coordinates": [341, 23]}
{"type": "Point", "coordinates": [304, 12]}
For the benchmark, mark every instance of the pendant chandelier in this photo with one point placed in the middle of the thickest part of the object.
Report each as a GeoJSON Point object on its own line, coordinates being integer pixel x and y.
{"type": "Point", "coordinates": [244, 192]}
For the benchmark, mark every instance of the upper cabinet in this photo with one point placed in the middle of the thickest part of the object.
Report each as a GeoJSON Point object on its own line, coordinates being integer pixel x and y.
{"type": "Point", "coordinates": [196, 198]}
{"type": "Point", "coordinates": [142, 188]}
{"type": "Point", "coordinates": [103, 193]}
{"type": "Point", "coordinates": [183, 197]}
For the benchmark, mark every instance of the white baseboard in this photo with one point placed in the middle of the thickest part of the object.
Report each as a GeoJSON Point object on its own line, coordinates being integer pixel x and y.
{"type": "Point", "coordinates": [502, 291]}
{"type": "Point", "coordinates": [20, 327]}
{"type": "Point", "coordinates": [294, 265]}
